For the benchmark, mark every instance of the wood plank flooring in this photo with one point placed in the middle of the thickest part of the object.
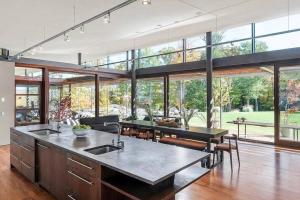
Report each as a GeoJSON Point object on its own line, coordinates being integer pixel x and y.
{"type": "Point", "coordinates": [266, 173]}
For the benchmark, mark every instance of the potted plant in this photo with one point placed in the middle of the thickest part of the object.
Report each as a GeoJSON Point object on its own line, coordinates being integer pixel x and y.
{"type": "Point", "coordinates": [81, 130]}
{"type": "Point", "coordinates": [187, 114]}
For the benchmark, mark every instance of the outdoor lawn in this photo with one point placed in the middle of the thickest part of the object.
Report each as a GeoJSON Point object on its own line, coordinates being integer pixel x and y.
{"type": "Point", "coordinates": [255, 131]}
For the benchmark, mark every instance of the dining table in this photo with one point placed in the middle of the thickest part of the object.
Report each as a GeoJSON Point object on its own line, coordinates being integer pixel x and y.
{"type": "Point", "coordinates": [192, 132]}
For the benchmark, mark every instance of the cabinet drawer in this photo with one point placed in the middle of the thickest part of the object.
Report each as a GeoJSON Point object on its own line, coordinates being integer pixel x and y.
{"type": "Point", "coordinates": [15, 149]}
{"type": "Point", "coordinates": [81, 166]}
{"type": "Point", "coordinates": [15, 137]}
{"type": "Point", "coordinates": [28, 171]}
{"type": "Point", "coordinates": [28, 140]}
{"type": "Point", "coordinates": [80, 188]}
{"type": "Point", "coordinates": [27, 155]}
{"type": "Point", "coordinates": [14, 161]}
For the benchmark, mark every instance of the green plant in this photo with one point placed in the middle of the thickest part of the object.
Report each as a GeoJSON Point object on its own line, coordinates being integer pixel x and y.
{"type": "Point", "coordinates": [81, 127]}
{"type": "Point", "coordinates": [187, 114]}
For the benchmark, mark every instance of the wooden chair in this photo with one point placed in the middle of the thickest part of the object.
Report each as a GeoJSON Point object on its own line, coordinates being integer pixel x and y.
{"type": "Point", "coordinates": [228, 147]}
{"type": "Point", "coordinates": [131, 132]}
{"type": "Point", "coordinates": [145, 134]}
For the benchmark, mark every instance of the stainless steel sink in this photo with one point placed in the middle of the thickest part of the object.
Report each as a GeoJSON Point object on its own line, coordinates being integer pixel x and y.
{"type": "Point", "coordinates": [102, 149]}
{"type": "Point", "coordinates": [44, 132]}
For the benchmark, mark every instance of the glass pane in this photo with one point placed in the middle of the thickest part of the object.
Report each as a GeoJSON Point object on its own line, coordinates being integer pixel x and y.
{"type": "Point", "coordinates": [27, 104]}
{"type": "Point", "coordinates": [290, 103]}
{"type": "Point", "coordinates": [28, 73]}
{"type": "Point", "coordinates": [277, 42]}
{"type": "Point", "coordinates": [71, 95]}
{"type": "Point", "coordinates": [194, 42]}
{"type": "Point", "coordinates": [115, 98]}
{"type": "Point", "coordinates": [232, 49]}
{"type": "Point", "coordinates": [195, 55]}
{"type": "Point", "coordinates": [188, 91]}
{"type": "Point", "coordinates": [173, 58]}
{"type": "Point", "coordinates": [232, 34]}
{"type": "Point", "coordinates": [244, 98]}
{"type": "Point", "coordinates": [160, 49]}
{"type": "Point", "coordinates": [271, 26]}
{"type": "Point", "coordinates": [150, 91]}
{"type": "Point", "coordinates": [27, 89]}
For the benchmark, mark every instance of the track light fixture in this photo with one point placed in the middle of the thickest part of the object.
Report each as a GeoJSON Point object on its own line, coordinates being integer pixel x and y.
{"type": "Point", "coordinates": [146, 2]}
{"type": "Point", "coordinates": [81, 29]}
{"type": "Point", "coordinates": [67, 37]}
{"type": "Point", "coordinates": [106, 18]}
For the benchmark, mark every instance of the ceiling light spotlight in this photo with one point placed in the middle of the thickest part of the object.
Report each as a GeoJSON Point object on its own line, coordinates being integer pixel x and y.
{"type": "Point", "coordinates": [40, 47]}
{"type": "Point", "coordinates": [146, 2]}
{"type": "Point", "coordinates": [106, 18]}
{"type": "Point", "coordinates": [81, 29]}
{"type": "Point", "coordinates": [67, 37]}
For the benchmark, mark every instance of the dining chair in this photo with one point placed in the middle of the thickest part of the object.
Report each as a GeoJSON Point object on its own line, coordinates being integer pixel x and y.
{"type": "Point", "coordinates": [228, 147]}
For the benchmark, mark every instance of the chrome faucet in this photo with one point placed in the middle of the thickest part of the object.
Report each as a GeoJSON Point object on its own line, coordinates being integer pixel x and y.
{"type": "Point", "coordinates": [120, 143]}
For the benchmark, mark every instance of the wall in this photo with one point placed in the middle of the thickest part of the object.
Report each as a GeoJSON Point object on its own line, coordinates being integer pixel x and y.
{"type": "Point", "coordinates": [7, 100]}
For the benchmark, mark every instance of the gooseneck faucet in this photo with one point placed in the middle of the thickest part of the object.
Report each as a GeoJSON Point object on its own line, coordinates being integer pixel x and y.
{"type": "Point", "coordinates": [120, 143]}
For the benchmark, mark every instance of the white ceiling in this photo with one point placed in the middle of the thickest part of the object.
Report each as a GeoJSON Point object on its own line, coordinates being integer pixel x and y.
{"type": "Point", "coordinates": [23, 23]}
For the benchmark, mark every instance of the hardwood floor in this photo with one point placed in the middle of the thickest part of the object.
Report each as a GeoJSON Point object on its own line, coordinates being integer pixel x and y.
{"type": "Point", "coordinates": [266, 173]}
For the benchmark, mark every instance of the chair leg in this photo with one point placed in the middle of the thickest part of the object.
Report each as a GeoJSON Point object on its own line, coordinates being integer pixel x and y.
{"type": "Point", "coordinates": [214, 158]}
{"type": "Point", "coordinates": [230, 153]}
{"type": "Point", "coordinates": [238, 155]}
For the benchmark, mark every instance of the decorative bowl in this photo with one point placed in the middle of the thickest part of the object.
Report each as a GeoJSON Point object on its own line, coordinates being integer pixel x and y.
{"type": "Point", "coordinates": [81, 132]}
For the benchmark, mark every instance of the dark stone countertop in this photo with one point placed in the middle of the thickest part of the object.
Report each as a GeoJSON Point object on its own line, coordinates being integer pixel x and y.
{"type": "Point", "coordinates": [146, 161]}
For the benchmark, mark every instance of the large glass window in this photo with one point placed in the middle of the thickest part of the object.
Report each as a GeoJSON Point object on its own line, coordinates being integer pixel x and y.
{"type": "Point", "coordinates": [22, 73]}
{"type": "Point", "coordinates": [71, 95]}
{"type": "Point", "coordinates": [271, 26]}
{"type": "Point", "coordinates": [243, 102]}
{"type": "Point", "coordinates": [158, 60]}
{"type": "Point", "coordinates": [150, 91]}
{"type": "Point", "coordinates": [27, 104]}
{"type": "Point", "coordinates": [241, 32]}
{"type": "Point", "coordinates": [277, 42]}
{"type": "Point", "coordinates": [290, 103]}
{"type": "Point", "coordinates": [188, 91]}
{"type": "Point", "coordinates": [115, 98]}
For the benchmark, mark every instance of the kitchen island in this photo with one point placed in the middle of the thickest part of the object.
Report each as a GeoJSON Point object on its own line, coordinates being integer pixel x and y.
{"type": "Point", "coordinates": [62, 164]}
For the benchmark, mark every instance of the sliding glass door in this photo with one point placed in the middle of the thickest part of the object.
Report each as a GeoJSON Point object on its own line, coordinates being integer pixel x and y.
{"type": "Point", "coordinates": [289, 105]}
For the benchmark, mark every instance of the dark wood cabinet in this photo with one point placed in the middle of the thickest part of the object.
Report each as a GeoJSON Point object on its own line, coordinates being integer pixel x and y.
{"type": "Point", "coordinates": [44, 165]}
{"type": "Point", "coordinates": [22, 155]}
{"type": "Point", "coordinates": [83, 180]}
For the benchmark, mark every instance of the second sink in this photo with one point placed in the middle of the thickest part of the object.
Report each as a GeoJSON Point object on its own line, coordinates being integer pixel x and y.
{"type": "Point", "coordinates": [102, 149]}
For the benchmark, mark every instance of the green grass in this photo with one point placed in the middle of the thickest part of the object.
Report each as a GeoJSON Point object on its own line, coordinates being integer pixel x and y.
{"type": "Point", "coordinates": [263, 116]}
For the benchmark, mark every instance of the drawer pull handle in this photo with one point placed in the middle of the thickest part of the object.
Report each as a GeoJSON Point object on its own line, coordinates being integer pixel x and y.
{"type": "Point", "coordinates": [15, 157]}
{"type": "Point", "coordinates": [26, 165]}
{"type": "Point", "coordinates": [25, 148]}
{"type": "Point", "coordinates": [42, 146]}
{"type": "Point", "coordinates": [80, 178]}
{"type": "Point", "coordinates": [79, 163]}
{"type": "Point", "coordinates": [71, 197]}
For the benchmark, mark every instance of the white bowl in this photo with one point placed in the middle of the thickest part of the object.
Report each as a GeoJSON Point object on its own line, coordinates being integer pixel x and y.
{"type": "Point", "coordinates": [81, 133]}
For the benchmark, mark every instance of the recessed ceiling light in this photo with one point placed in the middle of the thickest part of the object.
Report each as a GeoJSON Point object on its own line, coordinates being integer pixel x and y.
{"type": "Point", "coordinates": [67, 37]}
{"type": "Point", "coordinates": [33, 51]}
{"type": "Point", "coordinates": [146, 2]}
{"type": "Point", "coordinates": [81, 29]}
{"type": "Point", "coordinates": [106, 18]}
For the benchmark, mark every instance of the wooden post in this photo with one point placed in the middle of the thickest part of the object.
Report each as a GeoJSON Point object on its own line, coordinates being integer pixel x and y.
{"type": "Point", "coordinates": [209, 71]}
{"type": "Point", "coordinates": [97, 95]}
{"type": "Point", "coordinates": [133, 84]}
{"type": "Point", "coordinates": [45, 97]}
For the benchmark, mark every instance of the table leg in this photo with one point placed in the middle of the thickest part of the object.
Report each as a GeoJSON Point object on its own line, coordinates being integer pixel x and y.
{"type": "Point", "coordinates": [209, 156]}
{"type": "Point", "coordinates": [222, 152]}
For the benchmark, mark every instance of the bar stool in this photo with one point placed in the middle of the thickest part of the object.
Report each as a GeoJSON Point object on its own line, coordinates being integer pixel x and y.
{"type": "Point", "coordinates": [145, 134]}
{"type": "Point", "coordinates": [228, 147]}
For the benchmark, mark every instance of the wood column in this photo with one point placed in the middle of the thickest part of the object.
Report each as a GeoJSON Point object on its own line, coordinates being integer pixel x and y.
{"type": "Point", "coordinates": [209, 73]}
{"type": "Point", "coordinates": [97, 95]}
{"type": "Point", "coordinates": [133, 84]}
{"type": "Point", "coordinates": [45, 97]}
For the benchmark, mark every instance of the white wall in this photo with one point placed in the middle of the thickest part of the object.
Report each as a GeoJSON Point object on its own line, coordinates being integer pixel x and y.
{"type": "Point", "coordinates": [7, 100]}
